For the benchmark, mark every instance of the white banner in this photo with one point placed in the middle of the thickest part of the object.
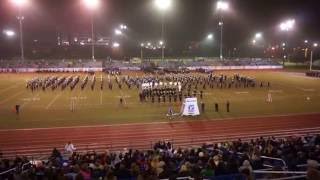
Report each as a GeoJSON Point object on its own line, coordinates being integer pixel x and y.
{"type": "Point", "coordinates": [190, 107]}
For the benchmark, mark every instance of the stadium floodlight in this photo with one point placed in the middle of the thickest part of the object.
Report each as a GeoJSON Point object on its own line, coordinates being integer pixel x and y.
{"type": "Point", "coordinates": [20, 3]}
{"type": "Point", "coordinates": [123, 27]}
{"type": "Point", "coordinates": [258, 35]}
{"type": "Point", "coordinates": [142, 45]}
{"type": "Point", "coordinates": [287, 25]}
{"type": "Point", "coordinates": [92, 4]}
{"type": "Point", "coordinates": [222, 6]}
{"type": "Point", "coordinates": [210, 36]}
{"type": "Point", "coordinates": [118, 32]}
{"type": "Point", "coordinates": [315, 45]}
{"type": "Point", "coordinates": [115, 45]}
{"type": "Point", "coordinates": [163, 5]}
{"type": "Point", "coordinates": [9, 33]}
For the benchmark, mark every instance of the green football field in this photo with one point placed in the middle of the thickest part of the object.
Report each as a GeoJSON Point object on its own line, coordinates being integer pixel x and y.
{"type": "Point", "coordinates": [292, 93]}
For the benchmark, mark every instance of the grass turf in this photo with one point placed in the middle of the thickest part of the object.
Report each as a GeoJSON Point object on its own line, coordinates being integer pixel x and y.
{"type": "Point", "coordinates": [52, 108]}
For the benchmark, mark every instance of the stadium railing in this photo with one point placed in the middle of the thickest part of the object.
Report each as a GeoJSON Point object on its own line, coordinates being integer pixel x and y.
{"type": "Point", "coordinates": [22, 168]}
{"type": "Point", "coordinates": [222, 177]}
{"type": "Point", "coordinates": [286, 174]}
{"type": "Point", "coordinates": [14, 169]}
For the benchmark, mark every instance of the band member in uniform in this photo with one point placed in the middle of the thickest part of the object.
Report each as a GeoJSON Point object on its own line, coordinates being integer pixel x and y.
{"type": "Point", "coordinates": [228, 106]}
{"type": "Point", "coordinates": [216, 105]}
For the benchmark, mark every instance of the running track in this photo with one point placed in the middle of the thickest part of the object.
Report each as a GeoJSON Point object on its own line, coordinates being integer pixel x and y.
{"type": "Point", "coordinates": [37, 142]}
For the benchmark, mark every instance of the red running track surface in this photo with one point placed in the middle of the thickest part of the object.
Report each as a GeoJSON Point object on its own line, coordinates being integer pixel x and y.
{"type": "Point", "coordinates": [142, 136]}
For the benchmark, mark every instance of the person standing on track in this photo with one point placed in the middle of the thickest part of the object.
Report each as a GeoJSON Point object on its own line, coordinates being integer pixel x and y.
{"type": "Point", "coordinates": [69, 148]}
{"type": "Point", "coordinates": [216, 105]}
{"type": "Point", "coordinates": [228, 106]}
{"type": "Point", "coordinates": [17, 108]}
{"type": "Point", "coordinates": [202, 107]}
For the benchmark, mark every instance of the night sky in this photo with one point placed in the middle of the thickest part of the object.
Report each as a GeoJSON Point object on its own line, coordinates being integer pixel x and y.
{"type": "Point", "coordinates": [188, 22]}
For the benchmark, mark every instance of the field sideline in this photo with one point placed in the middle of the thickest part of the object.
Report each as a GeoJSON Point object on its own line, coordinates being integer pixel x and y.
{"type": "Point", "coordinates": [292, 93]}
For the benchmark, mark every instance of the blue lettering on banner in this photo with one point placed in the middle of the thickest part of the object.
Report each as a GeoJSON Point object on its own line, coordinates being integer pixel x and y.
{"type": "Point", "coordinates": [191, 108]}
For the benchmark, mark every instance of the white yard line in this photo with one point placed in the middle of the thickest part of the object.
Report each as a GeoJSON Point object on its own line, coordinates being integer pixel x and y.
{"type": "Point", "coordinates": [101, 98]}
{"type": "Point", "coordinates": [165, 122]}
{"type": "Point", "coordinates": [31, 99]}
{"type": "Point", "coordinates": [53, 100]}
{"type": "Point", "coordinates": [11, 97]}
{"type": "Point", "coordinates": [242, 92]}
{"type": "Point", "coordinates": [306, 89]}
{"type": "Point", "coordinates": [8, 88]}
{"type": "Point", "coordinates": [276, 91]}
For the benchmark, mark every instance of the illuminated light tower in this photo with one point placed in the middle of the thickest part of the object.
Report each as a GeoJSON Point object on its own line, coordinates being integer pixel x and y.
{"type": "Point", "coordinates": [141, 50]}
{"type": "Point", "coordinates": [306, 48]}
{"type": "Point", "coordinates": [222, 6]}
{"type": "Point", "coordinates": [117, 32]}
{"type": "Point", "coordinates": [315, 45]}
{"type": "Point", "coordinates": [287, 26]}
{"type": "Point", "coordinates": [258, 35]}
{"type": "Point", "coordinates": [163, 6]}
{"type": "Point", "coordinates": [20, 4]}
{"type": "Point", "coordinates": [123, 27]}
{"type": "Point", "coordinates": [255, 42]}
{"type": "Point", "coordinates": [92, 5]}
{"type": "Point", "coordinates": [115, 45]}
{"type": "Point", "coordinates": [9, 33]}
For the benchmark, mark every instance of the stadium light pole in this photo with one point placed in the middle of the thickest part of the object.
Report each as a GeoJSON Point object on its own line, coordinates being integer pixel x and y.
{"type": "Point", "coordinates": [141, 50]}
{"type": "Point", "coordinates": [163, 6]}
{"type": "Point", "coordinates": [286, 27]}
{"type": "Point", "coordinates": [92, 5]}
{"type": "Point", "coordinates": [257, 37]}
{"type": "Point", "coordinates": [221, 7]}
{"type": "Point", "coordinates": [315, 45]}
{"type": "Point", "coordinates": [20, 4]}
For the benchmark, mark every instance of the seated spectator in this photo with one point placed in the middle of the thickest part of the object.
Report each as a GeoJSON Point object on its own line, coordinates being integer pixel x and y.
{"type": "Point", "coordinates": [313, 172]}
{"type": "Point", "coordinates": [69, 148]}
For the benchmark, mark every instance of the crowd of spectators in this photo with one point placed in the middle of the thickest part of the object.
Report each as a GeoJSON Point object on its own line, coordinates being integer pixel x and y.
{"type": "Point", "coordinates": [53, 63]}
{"type": "Point", "coordinates": [173, 63]}
{"type": "Point", "coordinates": [313, 74]}
{"type": "Point", "coordinates": [238, 159]}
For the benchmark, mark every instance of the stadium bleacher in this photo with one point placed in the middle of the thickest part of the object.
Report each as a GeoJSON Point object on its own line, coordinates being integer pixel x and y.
{"type": "Point", "coordinates": [228, 160]}
{"type": "Point", "coordinates": [173, 63]}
